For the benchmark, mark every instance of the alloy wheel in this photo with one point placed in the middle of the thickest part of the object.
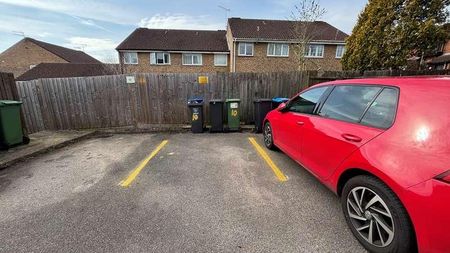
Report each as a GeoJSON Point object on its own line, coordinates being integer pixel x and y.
{"type": "Point", "coordinates": [268, 135]}
{"type": "Point", "coordinates": [370, 216]}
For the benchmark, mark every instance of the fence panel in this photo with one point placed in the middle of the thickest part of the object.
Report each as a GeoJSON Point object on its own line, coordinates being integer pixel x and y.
{"type": "Point", "coordinates": [8, 90]}
{"type": "Point", "coordinates": [109, 101]}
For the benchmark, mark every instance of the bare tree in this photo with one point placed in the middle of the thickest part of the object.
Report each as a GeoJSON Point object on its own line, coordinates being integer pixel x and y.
{"type": "Point", "coordinates": [111, 64]}
{"type": "Point", "coordinates": [303, 16]}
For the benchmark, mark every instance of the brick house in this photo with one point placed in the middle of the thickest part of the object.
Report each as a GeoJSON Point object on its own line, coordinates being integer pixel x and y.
{"type": "Point", "coordinates": [171, 51]}
{"type": "Point", "coordinates": [28, 52]}
{"type": "Point", "coordinates": [258, 45]}
{"type": "Point", "coordinates": [248, 45]}
{"type": "Point", "coordinates": [442, 60]}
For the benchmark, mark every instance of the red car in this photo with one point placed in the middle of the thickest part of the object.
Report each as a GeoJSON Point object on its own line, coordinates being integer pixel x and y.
{"type": "Point", "coordinates": [383, 146]}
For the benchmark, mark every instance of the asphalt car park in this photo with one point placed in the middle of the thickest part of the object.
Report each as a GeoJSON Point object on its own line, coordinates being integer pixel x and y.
{"type": "Point", "coordinates": [168, 193]}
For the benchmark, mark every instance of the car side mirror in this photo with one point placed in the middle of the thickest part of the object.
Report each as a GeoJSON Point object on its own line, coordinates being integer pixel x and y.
{"type": "Point", "coordinates": [282, 107]}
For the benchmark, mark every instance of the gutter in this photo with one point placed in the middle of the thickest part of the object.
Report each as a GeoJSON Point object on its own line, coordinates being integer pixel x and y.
{"type": "Point", "coordinates": [326, 42]}
{"type": "Point", "coordinates": [172, 51]}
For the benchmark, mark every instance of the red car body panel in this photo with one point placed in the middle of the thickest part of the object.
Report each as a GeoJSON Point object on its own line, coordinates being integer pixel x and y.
{"type": "Point", "coordinates": [406, 157]}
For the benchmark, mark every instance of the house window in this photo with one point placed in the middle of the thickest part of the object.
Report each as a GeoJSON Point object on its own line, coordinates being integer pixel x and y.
{"type": "Point", "coordinates": [314, 51]}
{"type": "Point", "coordinates": [130, 58]}
{"type": "Point", "coordinates": [245, 49]}
{"type": "Point", "coordinates": [159, 58]}
{"type": "Point", "coordinates": [340, 50]}
{"type": "Point", "coordinates": [277, 49]}
{"type": "Point", "coordinates": [192, 59]}
{"type": "Point", "coordinates": [220, 60]}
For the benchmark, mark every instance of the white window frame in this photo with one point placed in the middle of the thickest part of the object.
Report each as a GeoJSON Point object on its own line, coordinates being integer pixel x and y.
{"type": "Point", "coordinates": [192, 59]}
{"type": "Point", "coordinates": [245, 44]}
{"type": "Point", "coordinates": [156, 61]}
{"type": "Point", "coordinates": [130, 63]}
{"type": "Point", "coordinates": [308, 52]}
{"type": "Point", "coordinates": [273, 53]}
{"type": "Point", "coordinates": [221, 65]}
{"type": "Point", "coordinates": [342, 50]}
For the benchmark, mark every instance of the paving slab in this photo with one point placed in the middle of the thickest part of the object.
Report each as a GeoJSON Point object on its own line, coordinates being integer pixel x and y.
{"type": "Point", "coordinates": [40, 142]}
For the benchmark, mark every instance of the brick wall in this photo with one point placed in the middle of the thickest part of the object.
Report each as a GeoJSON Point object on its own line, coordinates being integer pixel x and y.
{"type": "Point", "coordinates": [175, 66]}
{"type": "Point", "coordinates": [446, 48]}
{"type": "Point", "coordinates": [19, 57]}
{"type": "Point", "coordinates": [230, 43]}
{"type": "Point", "coordinates": [260, 62]}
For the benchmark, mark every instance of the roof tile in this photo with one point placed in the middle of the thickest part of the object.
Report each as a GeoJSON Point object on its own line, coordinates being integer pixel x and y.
{"type": "Point", "coordinates": [175, 40]}
{"type": "Point", "coordinates": [58, 70]}
{"type": "Point", "coordinates": [70, 55]}
{"type": "Point", "coordinates": [282, 30]}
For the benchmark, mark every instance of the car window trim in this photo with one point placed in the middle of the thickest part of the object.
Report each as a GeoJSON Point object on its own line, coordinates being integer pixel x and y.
{"type": "Point", "coordinates": [323, 99]}
{"type": "Point", "coordinates": [395, 109]}
{"type": "Point", "coordinates": [370, 104]}
{"type": "Point", "coordinates": [382, 86]}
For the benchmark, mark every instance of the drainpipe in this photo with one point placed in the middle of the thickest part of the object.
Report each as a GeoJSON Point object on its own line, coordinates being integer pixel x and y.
{"type": "Point", "coordinates": [234, 55]}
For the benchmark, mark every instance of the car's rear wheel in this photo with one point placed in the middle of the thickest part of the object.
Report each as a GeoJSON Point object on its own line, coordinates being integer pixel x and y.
{"type": "Point", "coordinates": [376, 216]}
{"type": "Point", "coordinates": [268, 136]}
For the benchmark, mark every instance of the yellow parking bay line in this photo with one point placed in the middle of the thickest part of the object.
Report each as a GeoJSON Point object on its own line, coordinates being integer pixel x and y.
{"type": "Point", "coordinates": [269, 161]}
{"type": "Point", "coordinates": [125, 183]}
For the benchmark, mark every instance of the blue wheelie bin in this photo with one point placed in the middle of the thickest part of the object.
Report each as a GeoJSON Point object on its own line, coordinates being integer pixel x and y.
{"type": "Point", "coordinates": [276, 101]}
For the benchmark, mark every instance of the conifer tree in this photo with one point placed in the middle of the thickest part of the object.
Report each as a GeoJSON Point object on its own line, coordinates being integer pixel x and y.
{"type": "Point", "coordinates": [388, 32]}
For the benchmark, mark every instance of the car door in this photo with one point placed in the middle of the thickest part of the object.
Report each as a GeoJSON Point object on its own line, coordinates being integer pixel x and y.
{"type": "Point", "coordinates": [339, 128]}
{"type": "Point", "coordinates": [291, 119]}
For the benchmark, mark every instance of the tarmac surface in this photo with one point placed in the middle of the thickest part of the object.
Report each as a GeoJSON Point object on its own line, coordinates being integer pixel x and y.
{"type": "Point", "coordinates": [197, 193]}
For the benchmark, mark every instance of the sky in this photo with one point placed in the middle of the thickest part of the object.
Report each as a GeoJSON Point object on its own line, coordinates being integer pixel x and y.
{"type": "Point", "coordinates": [98, 26]}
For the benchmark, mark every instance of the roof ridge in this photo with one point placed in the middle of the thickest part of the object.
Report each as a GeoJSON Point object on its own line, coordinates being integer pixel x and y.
{"type": "Point", "coordinates": [193, 30]}
{"type": "Point", "coordinates": [54, 45]}
{"type": "Point", "coordinates": [48, 47]}
{"type": "Point", "coordinates": [281, 20]}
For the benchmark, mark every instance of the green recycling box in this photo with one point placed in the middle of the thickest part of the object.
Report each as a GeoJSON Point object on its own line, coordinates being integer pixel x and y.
{"type": "Point", "coordinates": [10, 124]}
{"type": "Point", "coordinates": [233, 112]}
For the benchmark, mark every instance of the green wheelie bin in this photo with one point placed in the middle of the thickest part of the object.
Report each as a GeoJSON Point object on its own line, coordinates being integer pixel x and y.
{"type": "Point", "coordinates": [10, 124]}
{"type": "Point", "coordinates": [233, 112]}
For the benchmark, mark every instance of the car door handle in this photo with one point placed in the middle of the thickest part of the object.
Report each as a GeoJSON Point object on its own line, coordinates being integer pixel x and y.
{"type": "Point", "coordinates": [300, 123]}
{"type": "Point", "coordinates": [351, 137]}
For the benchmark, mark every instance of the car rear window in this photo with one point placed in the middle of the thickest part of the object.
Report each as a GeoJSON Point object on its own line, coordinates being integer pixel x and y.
{"type": "Point", "coordinates": [381, 112]}
{"type": "Point", "coordinates": [348, 103]}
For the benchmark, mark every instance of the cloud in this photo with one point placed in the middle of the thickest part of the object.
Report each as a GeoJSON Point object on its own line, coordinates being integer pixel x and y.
{"type": "Point", "coordinates": [180, 21]}
{"type": "Point", "coordinates": [102, 49]}
{"type": "Point", "coordinates": [90, 23]}
{"type": "Point", "coordinates": [98, 10]}
{"type": "Point", "coordinates": [44, 34]}
{"type": "Point", "coordinates": [31, 27]}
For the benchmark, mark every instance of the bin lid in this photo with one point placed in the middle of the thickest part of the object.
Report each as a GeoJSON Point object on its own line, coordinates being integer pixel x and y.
{"type": "Point", "coordinates": [259, 100]}
{"type": "Point", "coordinates": [195, 101]}
{"type": "Point", "coordinates": [279, 100]}
{"type": "Point", "coordinates": [9, 102]}
{"type": "Point", "coordinates": [213, 101]}
{"type": "Point", "coordinates": [233, 100]}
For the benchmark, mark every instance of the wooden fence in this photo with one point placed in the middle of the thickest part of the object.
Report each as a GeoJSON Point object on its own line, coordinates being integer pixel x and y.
{"type": "Point", "coordinates": [8, 89]}
{"type": "Point", "coordinates": [154, 99]}
{"type": "Point", "coordinates": [109, 101]}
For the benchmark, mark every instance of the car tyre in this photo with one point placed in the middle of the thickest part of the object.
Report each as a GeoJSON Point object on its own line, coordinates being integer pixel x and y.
{"type": "Point", "coordinates": [376, 216]}
{"type": "Point", "coordinates": [268, 136]}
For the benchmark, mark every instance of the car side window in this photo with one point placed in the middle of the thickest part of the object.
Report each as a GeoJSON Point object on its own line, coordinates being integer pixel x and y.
{"type": "Point", "coordinates": [348, 102]}
{"type": "Point", "coordinates": [381, 112]}
{"type": "Point", "coordinates": [307, 101]}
